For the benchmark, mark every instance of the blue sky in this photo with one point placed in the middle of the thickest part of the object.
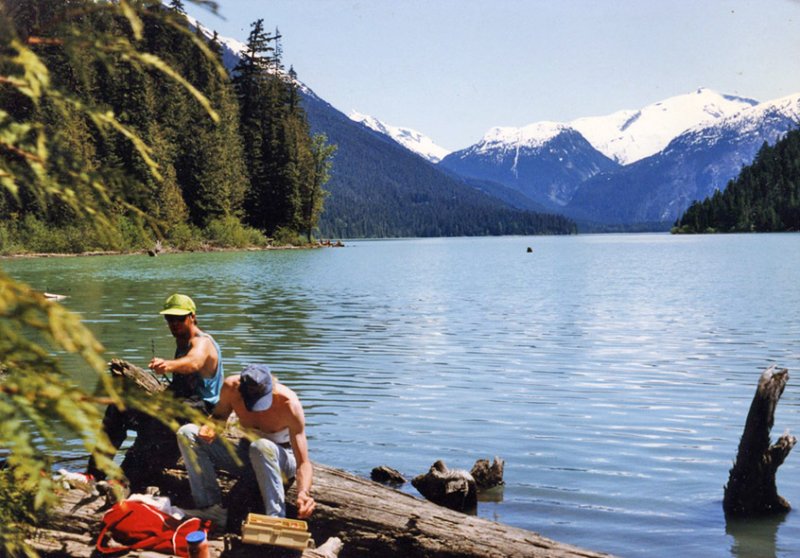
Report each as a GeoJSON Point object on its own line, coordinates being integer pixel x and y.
{"type": "Point", "coordinates": [452, 69]}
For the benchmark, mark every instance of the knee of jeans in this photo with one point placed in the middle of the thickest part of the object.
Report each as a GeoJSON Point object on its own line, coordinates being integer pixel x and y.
{"type": "Point", "coordinates": [265, 449]}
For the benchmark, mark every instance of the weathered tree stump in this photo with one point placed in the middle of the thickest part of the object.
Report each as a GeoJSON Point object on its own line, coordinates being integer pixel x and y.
{"type": "Point", "coordinates": [132, 375]}
{"type": "Point", "coordinates": [451, 488]}
{"type": "Point", "coordinates": [488, 475]}
{"type": "Point", "coordinates": [751, 488]}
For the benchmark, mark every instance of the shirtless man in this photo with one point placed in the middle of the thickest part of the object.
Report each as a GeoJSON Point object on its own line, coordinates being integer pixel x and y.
{"type": "Point", "coordinates": [279, 454]}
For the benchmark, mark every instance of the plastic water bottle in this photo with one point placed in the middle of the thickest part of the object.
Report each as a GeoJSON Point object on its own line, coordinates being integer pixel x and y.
{"type": "Point", "coordinates": [198, 545]}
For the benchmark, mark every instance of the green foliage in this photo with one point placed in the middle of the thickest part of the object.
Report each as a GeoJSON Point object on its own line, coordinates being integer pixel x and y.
{"type": "Point", "coordinates": [186, 237]}
{"type": "Point", "coordinates": [765, 197]}
{"type": "Point", "coordinates": [229, 232]}
{"type": "Point", "coordinates": [79, 164]}
{"type": "Point", "coordinates": [16, 516]}
{"type": "Point", "coordinates": [286, 236]}
{"type": "Point", "coordinates": [133, 233]}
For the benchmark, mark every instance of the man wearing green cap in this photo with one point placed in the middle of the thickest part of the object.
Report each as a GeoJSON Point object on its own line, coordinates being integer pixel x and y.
{"type": "Point", "coordinates": [197, 376]}
{"type": "Point", "coordinates": [197, 367]}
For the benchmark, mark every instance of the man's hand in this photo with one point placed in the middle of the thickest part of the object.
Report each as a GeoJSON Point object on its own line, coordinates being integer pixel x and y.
{"type": "Point", "coordinates": [207, 433]}
{"type": "Point", "coordinates": [305, 504]}
{"type": "Point", "coordinates": [158, 365]}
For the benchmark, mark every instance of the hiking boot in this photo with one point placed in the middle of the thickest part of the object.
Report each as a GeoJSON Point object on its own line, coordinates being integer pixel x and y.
{"type": "Point", "coordinates": [214, 513]}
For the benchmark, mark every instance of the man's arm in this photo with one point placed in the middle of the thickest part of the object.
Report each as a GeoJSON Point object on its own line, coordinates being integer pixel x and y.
{"type": "Point", "coordinates": [297, 433]}
{"type": "Point", "coordinates": [202, 357]}
{"type": "Point", "coordinates": [222, 410]}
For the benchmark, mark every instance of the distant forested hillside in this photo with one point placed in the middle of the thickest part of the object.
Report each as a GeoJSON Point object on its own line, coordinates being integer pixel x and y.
{"type": "Point", "coordinates": [199, 166]}
{"type": "Point", "coordinates": [765, 197]}
{"type": "Point", "coordinates": [380, 189]}
{"type": "Point", "coordinates": [204, 156]}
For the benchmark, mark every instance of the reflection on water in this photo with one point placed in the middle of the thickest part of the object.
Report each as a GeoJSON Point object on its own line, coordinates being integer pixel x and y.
{"type": "Point", "coordinates": [754, 538]}
{"type": "Point", "coordinates": [612, 373]}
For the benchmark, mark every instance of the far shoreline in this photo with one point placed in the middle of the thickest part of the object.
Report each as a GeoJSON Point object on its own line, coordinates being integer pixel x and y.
{"type": "Point", "coordinates": [204, 249]}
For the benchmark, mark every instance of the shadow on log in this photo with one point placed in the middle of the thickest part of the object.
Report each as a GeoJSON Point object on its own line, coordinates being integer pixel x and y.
{"type": "Point", "coordinates": [751, 488]}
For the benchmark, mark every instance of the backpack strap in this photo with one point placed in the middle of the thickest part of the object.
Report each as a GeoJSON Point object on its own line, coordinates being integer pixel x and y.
{"type": "Point", "coordinates": [102, 535]}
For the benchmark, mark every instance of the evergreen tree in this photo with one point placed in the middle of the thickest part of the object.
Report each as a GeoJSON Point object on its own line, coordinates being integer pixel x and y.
{"type": "Point", "coordinates": [249, 77]}
{"type": "Point", "coordinates": [312, 194]}
{"type": "Point", "coordinates": [763, 198]}
{"type": "Point", "coordinates": [176, 6]}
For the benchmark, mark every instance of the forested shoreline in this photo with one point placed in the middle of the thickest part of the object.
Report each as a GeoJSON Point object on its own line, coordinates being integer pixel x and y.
{"type": "Point", "coordinates": [765, 197]}
{"type": "Point", "coordinates": [233, 165]}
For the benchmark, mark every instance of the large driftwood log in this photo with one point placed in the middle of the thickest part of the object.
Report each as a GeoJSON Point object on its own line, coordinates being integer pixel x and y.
{"type": "Point", "coordinates": [369, 518]}
{"type": "Point", "coordinates": [374, 520]}
{"type": "Point", "coordinates": [356, 517]}
{"type": "Point", "coordinates": [751, 488]}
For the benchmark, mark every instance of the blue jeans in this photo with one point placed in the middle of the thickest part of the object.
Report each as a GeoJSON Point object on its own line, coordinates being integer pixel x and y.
{"type": "Point", "coordinates": [273, 466]}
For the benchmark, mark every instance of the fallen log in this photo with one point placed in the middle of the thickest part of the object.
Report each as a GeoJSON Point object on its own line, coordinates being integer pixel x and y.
{"type": "Point", "coordinates": [358, 516]}
{"type": "Point", "coordinates": [751, 488]}
{"type": "Point", "coordinates": [368, 518]}
{"type": "Point", "coordinates": [375, 520]}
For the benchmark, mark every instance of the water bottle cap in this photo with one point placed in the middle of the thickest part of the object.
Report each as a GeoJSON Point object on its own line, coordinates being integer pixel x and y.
{"type": "Point", "coordinates": [196, 537]}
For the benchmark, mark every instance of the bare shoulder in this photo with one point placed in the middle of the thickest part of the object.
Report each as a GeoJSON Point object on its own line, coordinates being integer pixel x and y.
{"type": "Point", "coordinates": [204, 343]}
{"type": "Point", "coordinates": [232, 381]}
{"type": "Point", "coordinates": [289, 400]}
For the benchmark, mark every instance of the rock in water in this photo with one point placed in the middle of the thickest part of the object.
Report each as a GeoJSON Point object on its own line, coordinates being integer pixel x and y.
{"type": "Point", "coordinates": [387, 475]}
{"type": "Point", "coordinates": [451, 488]}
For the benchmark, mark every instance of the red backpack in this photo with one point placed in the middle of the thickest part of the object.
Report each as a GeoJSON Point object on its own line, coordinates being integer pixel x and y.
{"type": "Point", "coordinates": [139, 526]}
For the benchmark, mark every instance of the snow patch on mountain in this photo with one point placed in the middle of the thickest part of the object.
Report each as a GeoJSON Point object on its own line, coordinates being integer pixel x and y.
{"type": "Point", "coordinates": [410, 139]}
{"type": "Point", "coordinates": [533, 136]}
{"type": "Point", "coordinates": [236, 47]}
{"type": "Point", "coordinates": [630, 135]}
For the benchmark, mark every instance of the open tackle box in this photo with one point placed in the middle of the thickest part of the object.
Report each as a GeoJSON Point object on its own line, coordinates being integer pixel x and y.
{"type": "Point", "coordinates": [278, 531]}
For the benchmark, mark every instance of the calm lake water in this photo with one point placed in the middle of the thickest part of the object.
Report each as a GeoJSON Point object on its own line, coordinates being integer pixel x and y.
{"type": "Point", "coordinates": [612, 373]}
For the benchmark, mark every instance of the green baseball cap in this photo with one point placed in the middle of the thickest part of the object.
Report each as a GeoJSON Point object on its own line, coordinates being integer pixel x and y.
{"type": "Point", "coordinates": [178, 305]}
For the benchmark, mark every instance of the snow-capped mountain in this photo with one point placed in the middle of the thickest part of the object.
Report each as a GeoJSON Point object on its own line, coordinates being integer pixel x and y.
{"type": "Point", "coordinates": [625, 136]}
{"type": "Point", "coordinates": [628, 136]}
{"type": "Point", "coordinates": [408, 138]}
{"type": "Point", "coordinates": [546, 161]}
{"type": "Point", "coordinates": [694, 164]}
{"type": "Point", "coordinates": [554, 163]}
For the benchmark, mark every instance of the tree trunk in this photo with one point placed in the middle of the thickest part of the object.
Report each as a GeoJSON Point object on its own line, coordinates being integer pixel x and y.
{"type": "Point", "coordinates": [751, 488]}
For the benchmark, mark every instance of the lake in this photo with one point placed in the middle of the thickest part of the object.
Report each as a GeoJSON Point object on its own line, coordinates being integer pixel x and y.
{"type": "Point", "coordinates": [612, 373]}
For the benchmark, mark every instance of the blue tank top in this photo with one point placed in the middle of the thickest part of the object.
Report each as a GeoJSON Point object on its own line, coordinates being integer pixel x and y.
{"type": "Point", "coordinates": [188, 385]}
